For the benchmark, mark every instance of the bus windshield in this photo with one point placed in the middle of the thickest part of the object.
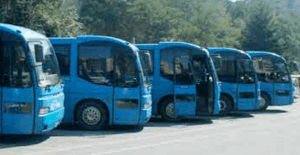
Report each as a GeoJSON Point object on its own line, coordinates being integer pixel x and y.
{"type": "Point", "coordinates": [45, 63]}
{"type": "Point", "coordinates": [126, 69]}
{"type": "Point", "coordinates": [281, 72]}
{"type": "Point", "coordinates": [147, 67]}
{"type": "Point", "coordinates": [246, 71]}
{"type": "Point", "coordinates": [269, 70]}
{"type": "Point", "coordinates": [229, 70]}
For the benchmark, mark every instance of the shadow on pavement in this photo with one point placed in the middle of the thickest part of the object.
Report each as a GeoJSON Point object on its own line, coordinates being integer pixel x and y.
{"type": "Point", "coordinates": [17, 141]}
{"type": "Point", "coordinates": [72, 130]}
{"type": "Point", "coordinates": [234, 115]}
{"type": "Point", "coordinates": [268, 111]}
{"type": "Point", "coordinates": [183, 122]}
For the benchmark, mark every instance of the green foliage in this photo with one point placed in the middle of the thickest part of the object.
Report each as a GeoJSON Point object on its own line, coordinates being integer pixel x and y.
{"type": "Point", "coordinates": [44, 16]}
{"type": "Point", "coordinates": [53, 22]}
{"type": "Point", "coordinates": [265, 25]}
{"type": "Point", "coordinates": [208, 24]}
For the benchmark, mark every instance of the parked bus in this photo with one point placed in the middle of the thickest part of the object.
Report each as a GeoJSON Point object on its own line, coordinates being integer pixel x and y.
{"type": "Point", "coordinates": [240, 88]}
{"type": "Point", "coordinates": [183, 79]}
{"type": "Point", "coordinates": [31, 89]}
{"type": "Point", "coordinates": [104, 82]}
{"type": "Point", "coordinates": [275, 79]}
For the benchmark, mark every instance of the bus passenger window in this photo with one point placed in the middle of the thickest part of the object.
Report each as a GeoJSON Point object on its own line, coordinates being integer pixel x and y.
{"type": "Point", "coordinates": [227, 72]}
{"type": "Point", "coordinates": [166, 64]}
{"type": "Point", "coordinates": [183, 69]}
{"type": "Point", "coordinates": [95, 63]}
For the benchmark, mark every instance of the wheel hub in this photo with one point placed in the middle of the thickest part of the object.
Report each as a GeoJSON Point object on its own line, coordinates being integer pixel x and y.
{"type": "Point", "coordinates": [170, 110]}
{"type": "Point", "coordinates": [262, 103]}
{"type": "Point", "coordinates": [91, 115]}
{"type": "Point", "coordinates": [223, 105]}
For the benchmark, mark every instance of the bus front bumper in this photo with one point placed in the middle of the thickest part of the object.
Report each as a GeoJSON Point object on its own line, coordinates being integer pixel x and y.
{"type": "Point", "coordinates": [145, 115]}
{"type": "Point", "coordinates": [49, 121]}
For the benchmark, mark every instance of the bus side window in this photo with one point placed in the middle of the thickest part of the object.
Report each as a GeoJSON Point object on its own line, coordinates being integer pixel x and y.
{"type": "Point", "coordinates": [183, 68]}
{"type": "Point", "coordinates": [95, 62]}
{"type": "Point", "coordinates": [63, 57]}
{"type": "Point", "coordinates": [227, 72]}
{"type": "Point", "coordinates": [166, 64]}
{"type": "Point", "coordinates": [16, 70]}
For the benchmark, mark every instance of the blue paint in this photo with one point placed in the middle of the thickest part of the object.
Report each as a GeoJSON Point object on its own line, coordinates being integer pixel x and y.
{"type": "Point", "coordinates": [231, 85]}
{"type": "Point", "coordinates": [184, 94]}
{"type": "Point", "coordinates": [279, 92]}
{"type": "Point", "coordinates": [78, 89]}
{"type": "Point", "coordinates": [20, 102]}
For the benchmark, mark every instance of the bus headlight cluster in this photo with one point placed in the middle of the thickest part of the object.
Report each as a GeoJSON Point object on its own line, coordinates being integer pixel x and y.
{"type": "Point", "coordinates": [146, 105]}
{"type": "Point", "coordinates": [55, 106]}
{"type": "Point", "coordinates": [44, 111]}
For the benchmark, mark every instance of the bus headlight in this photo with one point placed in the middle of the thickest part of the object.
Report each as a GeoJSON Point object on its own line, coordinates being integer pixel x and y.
{"type": "Point", "coordinates": [55, 106]}
{"type": "Point", "coordinates": [44, 111]}
{"type": "Point", "coordinates": [146, 105]}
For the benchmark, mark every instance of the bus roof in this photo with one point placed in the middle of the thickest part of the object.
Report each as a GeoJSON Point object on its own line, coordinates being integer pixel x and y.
{"type": "Point", "coordinates": [264, 53]}
{"type": "Point", "coordinates": [231, 51]}
{"type": "Point", "coordinates": [23, 32]}
{"type": "Point", "coordinates": [171, 44]}
{"type": "Point", "coordinates": [84, 38]}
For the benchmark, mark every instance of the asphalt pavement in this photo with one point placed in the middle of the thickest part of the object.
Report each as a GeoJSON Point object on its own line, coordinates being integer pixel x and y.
{"type": "Point", "coordinates": [275, 131]}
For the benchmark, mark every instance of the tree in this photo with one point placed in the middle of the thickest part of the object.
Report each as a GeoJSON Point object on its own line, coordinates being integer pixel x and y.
{"type": "Point", "coordinates": [207, 23]}
{"type": "Point", "coordinates": [44, 16]}
{"type": "Point", "coordinates": [49, 19]}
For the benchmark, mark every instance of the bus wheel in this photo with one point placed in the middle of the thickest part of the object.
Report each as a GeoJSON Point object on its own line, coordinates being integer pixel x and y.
{"type": "Point", "coordinates": [265, 101]}
{"type": "Point", "coordinates": [92, 116]}
{"type": "Point", "coordinates": [225, 105]}
{"type": "Point", "coordinates": [167, 110]}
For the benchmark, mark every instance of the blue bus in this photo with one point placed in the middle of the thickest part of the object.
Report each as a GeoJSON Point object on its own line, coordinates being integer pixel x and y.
{"type": "Point", "coordinates": [240, 88]}
{"type": "Point", "coordinates": [104, 82]}
{"type": "Point", "coordinates": [183, 79]}
{"type": "Point", "coordinates": [274, 77]}
{"type": "Point", "coordinates": [31, 89]}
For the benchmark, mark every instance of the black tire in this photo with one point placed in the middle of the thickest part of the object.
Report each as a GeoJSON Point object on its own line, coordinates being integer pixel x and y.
{"type": "Point", "coordinates": [264, 98]}
{"type": "Point", "coordinates": [97, 125]}
{"type": "Point", "coordinates": [163, 112]}
{"type": "Point", "coordinates": [226, 105]}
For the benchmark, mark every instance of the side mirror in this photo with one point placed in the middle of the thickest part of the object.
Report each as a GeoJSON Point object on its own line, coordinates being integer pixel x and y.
{"type": "Point", "coordinates": [39, 55]}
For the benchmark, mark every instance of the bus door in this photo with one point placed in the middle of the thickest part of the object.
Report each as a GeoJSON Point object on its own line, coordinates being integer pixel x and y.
{"type": "Point", "coordinates": [127, 91]}
{"type": "Point", "coordinates": [282, 85]}
{"type": "Point", "coordinates": [246, 86]}
{"type": "Point", "coordinates": [17, 108]}
{"type": "Point", "coordinates": [205, 87]}
{"type": "Point", "coordinates": [184, 86]}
